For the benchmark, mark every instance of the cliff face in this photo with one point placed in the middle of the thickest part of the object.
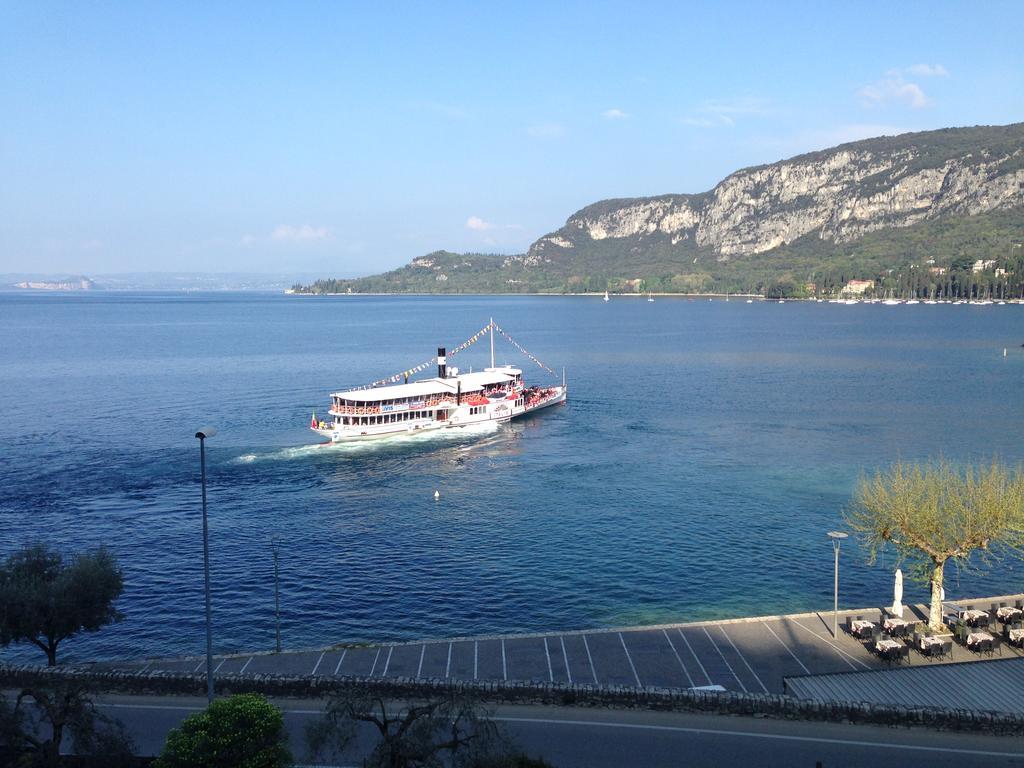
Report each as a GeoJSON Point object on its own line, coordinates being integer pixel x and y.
{"type": "Point", "coordinates": [837, 195]}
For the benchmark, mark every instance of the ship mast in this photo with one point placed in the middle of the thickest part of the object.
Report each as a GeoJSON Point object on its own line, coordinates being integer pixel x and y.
{"type": "Point", "coordinates": [491, 326]}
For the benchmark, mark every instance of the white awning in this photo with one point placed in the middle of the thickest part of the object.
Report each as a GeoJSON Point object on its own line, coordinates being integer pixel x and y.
{"type": "Point", "coordinates": [469, 382]}
{"type": "Point", "coordinates": [415, 389]}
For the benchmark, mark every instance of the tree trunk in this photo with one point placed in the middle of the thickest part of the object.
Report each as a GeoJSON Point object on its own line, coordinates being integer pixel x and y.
{"type": "Point", "coordinates": [935, 614]}
{"type": "Point", "coordinates": [51, 654]}
{"type": "Point", "coordinates": [51, 749]}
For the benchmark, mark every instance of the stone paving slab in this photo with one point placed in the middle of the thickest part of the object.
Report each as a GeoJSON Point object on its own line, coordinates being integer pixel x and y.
{"type": "Point", "coordinates": [713, 664]}
{"type": "Point", "coordinates": [558, 657]}
{"type": "Point", "coordinates": [580, 670]}
{"type": "Point", "coordinates": [404, 661]}
{"type": "Point", "coordinates": [611, 662]}
{"type": "Point", "coordinates": [655, 660]}
{"type": "Point", "coordinates": [489, 664]}
{"type": "Point", "coordinates": [435, 660]}
{"type": "Point", "coordinates": [527, 659]}
{"type": "Point", "coordinates": [464, 661]}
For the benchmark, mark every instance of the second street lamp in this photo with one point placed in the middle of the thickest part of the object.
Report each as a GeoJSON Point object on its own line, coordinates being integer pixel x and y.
{"type": "Point", "coordinates": [203, 433]}
{"type": "Point", "coordinates": [837, 539]}
{"type": "Point", "coordinates": [274, 541]}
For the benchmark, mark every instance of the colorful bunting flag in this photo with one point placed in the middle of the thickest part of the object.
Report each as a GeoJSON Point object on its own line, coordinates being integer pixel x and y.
{"type": "Point", "coordinates": [464, 345]}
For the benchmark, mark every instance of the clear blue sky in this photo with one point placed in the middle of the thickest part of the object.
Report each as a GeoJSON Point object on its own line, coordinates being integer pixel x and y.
{"type": "Point", "coordinates": [350, 138]}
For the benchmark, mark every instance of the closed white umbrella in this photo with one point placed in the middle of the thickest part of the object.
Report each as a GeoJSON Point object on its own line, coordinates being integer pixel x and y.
{"type": "Point", "coordinates": [897, 597]}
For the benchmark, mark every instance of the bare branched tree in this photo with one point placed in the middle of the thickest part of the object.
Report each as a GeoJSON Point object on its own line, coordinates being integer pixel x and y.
{"type": "Point", "coordinates": [452, 729]}
{"type": "Point", "coordinates": [936, 512]}
{"type": "Point", "coordinates": [41, 716]}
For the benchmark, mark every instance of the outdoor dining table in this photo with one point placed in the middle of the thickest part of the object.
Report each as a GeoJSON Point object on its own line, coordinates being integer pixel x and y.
{"type": "Point", "coordinates": [974, 638]}
{"type": "Point", "coordinates": [861, 627]}
{"type": "Point", "coordinates": [886, 644]}
{"type": "Point", "coordinates": [894, 624]}
{"type": "Point", "coordinates": [1008, 614]}
{"type": "Point", "coordinates": [972, 616]}
{"type": "Point", "coordinates": [927, 641]}
{"type": "Point", "coordinates": [1015, 636]}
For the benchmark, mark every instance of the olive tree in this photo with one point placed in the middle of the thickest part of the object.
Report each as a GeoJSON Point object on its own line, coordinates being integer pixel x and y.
{"type": "Point", "coordinates": [45, 599]}
{"type": "Point", "coordinates": [936, 512]}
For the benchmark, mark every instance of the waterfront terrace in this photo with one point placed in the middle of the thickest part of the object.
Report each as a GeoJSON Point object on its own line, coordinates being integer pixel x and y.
{"type": "Point", "coordinates": [751, 655]}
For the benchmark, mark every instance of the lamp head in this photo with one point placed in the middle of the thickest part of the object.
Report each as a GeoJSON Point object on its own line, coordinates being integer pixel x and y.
{"type": "Point", "coordinates": [837, 535]}
{"type": "Point", "coordinates": [204, 432]}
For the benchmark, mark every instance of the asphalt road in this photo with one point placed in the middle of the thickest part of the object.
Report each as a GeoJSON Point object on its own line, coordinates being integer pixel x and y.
{"type": "Point", "coordinates": [570, 737]}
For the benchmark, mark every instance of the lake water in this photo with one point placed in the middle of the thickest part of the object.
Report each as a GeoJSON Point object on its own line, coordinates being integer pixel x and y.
{"type": "Point", "coordinates": [706, 449]}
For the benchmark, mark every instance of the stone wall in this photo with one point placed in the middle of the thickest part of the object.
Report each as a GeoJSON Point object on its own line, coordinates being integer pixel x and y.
{"type": "Point", "coordinates": [497, 692]}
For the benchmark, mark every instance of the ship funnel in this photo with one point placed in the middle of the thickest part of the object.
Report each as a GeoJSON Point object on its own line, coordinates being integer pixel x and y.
{"type": "Point", "coordinates": [442, 372]}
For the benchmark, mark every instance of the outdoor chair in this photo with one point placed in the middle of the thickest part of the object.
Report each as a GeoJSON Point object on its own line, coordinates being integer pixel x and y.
{"type": "Point", "coordinates": [1019, 642]}
{"type": "Point", "coordinates": [901, 654]}
{"type": "Point", "coordinates": [982, 646]}
{"type": "Point", "coordinates": [941, 650]}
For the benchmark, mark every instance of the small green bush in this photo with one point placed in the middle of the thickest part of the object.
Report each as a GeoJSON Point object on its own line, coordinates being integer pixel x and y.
{"type": "Point", "coordinates": [244, 731]}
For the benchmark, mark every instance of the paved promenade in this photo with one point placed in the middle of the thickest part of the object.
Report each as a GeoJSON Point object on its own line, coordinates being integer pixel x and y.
{"type": "Point", "coordinates": [751, 655]}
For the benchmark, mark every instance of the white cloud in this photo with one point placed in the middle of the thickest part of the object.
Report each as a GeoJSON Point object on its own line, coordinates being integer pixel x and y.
{"type": "Point", "coordinates": [614, 114]}
{"type": "Point", "coordinates": [927, 70]}
{"type": "Point", "coordinates": [699, 122]}
{"type": "Point", "coordinates": [746, 105]}
{"type": "Point", "coordinates": [797, 143]}
{"type": "Point", "coordinates": [478, 224]}
{"type": "Point", "coordinates": [894, 87]}
{"type": "Point", "coordinates": [546, 130]}
{"type": "Point", "coordinates": [287, 232]}
{"type": "Point", "coordinates": [450, 111]}
{"type": "Point", "coordinates": [724, 112]}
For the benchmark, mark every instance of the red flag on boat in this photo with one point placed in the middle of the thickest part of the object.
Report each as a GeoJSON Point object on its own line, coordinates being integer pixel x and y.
{"type": "Point", "coordinates": [313, 422]}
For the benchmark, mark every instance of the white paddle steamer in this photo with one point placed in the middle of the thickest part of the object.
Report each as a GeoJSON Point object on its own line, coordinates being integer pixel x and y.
{"type": "Point", "coordinates": [449, 400]}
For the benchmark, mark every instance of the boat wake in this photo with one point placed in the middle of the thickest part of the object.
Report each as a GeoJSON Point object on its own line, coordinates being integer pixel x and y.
{"type": "Point", "coordinates": [395, 443]}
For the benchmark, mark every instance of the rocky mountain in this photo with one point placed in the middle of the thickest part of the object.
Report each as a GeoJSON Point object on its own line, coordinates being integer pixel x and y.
{"type": "Point", "coordinates": [860, 209]}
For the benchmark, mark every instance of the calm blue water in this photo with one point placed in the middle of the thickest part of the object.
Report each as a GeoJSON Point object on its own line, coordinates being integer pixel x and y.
{"type": "Point", "coordinates": [706, 449]}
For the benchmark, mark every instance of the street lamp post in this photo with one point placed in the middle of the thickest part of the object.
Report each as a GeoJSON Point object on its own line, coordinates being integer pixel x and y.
{"type": "Point", "coordinates": [837, 539]}
{"type": "Point", "coordinates": [277, 594]}
{"type": "Point", "coordinates": [202, 434]}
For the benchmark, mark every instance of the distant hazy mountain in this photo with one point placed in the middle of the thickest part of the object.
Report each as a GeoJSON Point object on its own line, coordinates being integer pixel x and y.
{"type": "Point", "coordinates": [156, 281]}
{"type": "Point", "coordinates": [78, 283]}
{"type": "Point", "coordinates": [874, 209]}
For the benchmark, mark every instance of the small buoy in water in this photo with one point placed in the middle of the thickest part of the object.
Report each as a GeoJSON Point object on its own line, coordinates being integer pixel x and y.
{"type": "Point", "coordinates": [1004, 351]}
{"type": "Point", "coordinates": [437, 495]}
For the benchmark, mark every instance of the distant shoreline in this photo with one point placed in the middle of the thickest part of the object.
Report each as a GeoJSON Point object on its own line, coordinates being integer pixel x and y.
{"type": "Point", "coordinates": [591, 295]}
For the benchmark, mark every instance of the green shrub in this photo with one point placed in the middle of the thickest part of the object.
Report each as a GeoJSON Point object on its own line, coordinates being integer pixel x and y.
{"type": "Point", "coordinates": [244, 731]}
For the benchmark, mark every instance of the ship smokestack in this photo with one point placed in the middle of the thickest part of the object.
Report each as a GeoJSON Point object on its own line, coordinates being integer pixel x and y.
{"type": "Point", "coordinates": [442, 368]}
